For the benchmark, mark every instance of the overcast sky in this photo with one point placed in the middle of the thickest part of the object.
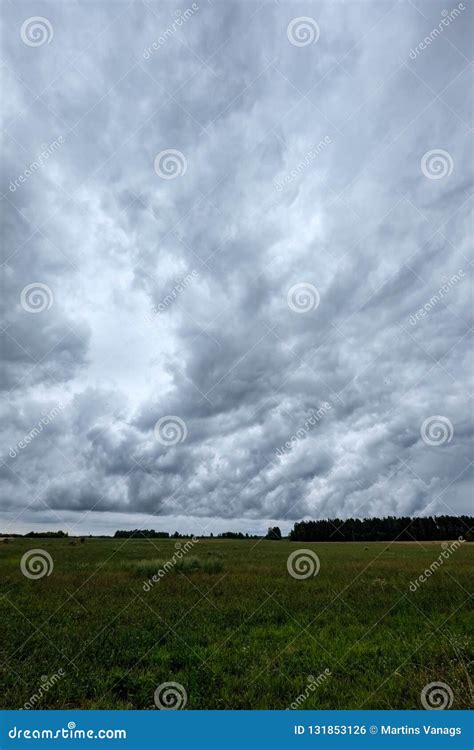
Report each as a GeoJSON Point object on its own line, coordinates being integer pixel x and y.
{"type": "Point", "coordinates": [259, 286]}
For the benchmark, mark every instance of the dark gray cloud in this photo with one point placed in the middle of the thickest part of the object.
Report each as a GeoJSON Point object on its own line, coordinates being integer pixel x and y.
{"type": "Point", "coordinates": [343, 165]}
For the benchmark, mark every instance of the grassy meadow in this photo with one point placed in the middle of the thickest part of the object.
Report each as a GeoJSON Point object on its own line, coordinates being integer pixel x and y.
{"type": "Point", "coordinates": [232, 626]}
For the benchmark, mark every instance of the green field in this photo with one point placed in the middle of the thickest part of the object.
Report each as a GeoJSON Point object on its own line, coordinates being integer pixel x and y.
{"type": "Point", "coordinates": [232, 626]}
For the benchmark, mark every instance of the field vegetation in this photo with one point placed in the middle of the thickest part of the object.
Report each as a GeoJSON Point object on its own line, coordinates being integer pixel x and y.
{"type": "Point", "coordinates": [228, 622]}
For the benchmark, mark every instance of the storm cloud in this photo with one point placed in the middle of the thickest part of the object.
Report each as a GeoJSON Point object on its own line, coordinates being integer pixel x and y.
{"type": "Point", "coordinates": [236, 263]}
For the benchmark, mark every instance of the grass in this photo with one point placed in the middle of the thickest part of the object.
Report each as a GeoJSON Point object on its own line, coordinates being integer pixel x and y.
{"type": "Point", "coordinates": [232, 626]}
{"type": "Point", "coordinates": [187, 565]}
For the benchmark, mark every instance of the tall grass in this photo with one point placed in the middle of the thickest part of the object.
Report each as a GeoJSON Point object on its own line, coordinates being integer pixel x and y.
{"type": "Point", "coordinates": [187, 565]}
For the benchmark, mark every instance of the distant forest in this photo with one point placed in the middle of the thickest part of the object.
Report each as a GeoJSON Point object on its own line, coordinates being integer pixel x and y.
{"type": "Point", "coordinates": [147, 533]}
{"type": "Point", "coordinates": [387, 529]}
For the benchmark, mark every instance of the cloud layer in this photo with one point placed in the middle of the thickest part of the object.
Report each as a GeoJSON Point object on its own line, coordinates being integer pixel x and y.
{"type": "Point", "coordinates": [254, 225]}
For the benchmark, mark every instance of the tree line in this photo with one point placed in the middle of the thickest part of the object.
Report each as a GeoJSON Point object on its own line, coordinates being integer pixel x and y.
{"type": "Point", "coordinates": [147, 533]}
{"type": "Point", "coordinates": [387, 529]}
